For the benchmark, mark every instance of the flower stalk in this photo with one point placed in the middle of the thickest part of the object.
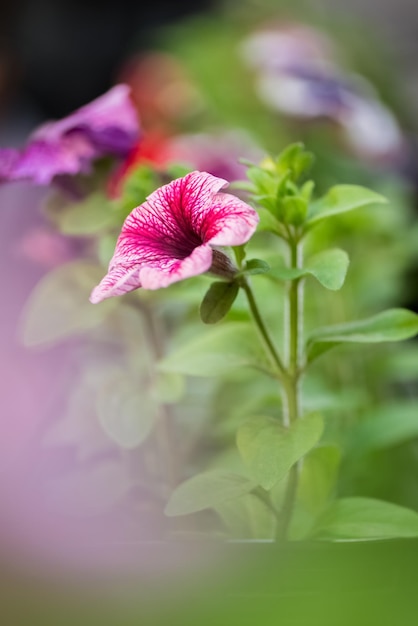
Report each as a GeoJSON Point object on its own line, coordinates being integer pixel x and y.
{"type": "Point", "coordinates": [291, 382]}
{"type": "Point", "coordinates": [262, 329]}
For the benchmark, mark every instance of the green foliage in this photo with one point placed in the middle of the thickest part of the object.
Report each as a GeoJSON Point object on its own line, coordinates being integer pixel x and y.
{"type": "Point", "coordinates": [59, 306]}
{"type": "Point", "coordinates": [340, 199]}
{"type": "Point", "coordinates": [385, 426]}
{"type": "Point", "coordinates": [217, 301]}
{"type": "Point", "coordinates": [126, 413]}
{"type": "Point", "coordinates": [392, 325]}
{"type": "Point", "coordinates": [207, 490]}
{"type": "Point", "coordinates": [255, 266]}
{"type": "Point", "coordinates": [319, 476]}
{"type": "Point", "coordinates": [217, 352]}
{"type": "Point", "coordinates": [328, 267]}
{"type": "Point", "coordinates": [365, 518]}
{"type": "Point", "coordinates": [269, 449]}
{"type": "Point", "coordinates": [137, 186]}
{"type": "Point", "coordinates": [294, 160]}
{"type": "Point", "coordinates": [88, 217]}
{"type": "Point", "coordinates": [247, 517]}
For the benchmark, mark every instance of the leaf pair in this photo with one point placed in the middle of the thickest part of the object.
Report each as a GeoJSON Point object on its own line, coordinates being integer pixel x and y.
{"type": "Point", "coordinates": [268, 450]}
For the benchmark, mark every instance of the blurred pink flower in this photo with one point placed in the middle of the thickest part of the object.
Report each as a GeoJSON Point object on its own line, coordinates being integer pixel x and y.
{"type": "Point", "coordinates": [45, 247]}
{"type": "Point", "coordinates": [171, 236]}
{"type": "Point", "coordinates": [107, 126]}
{"type": "Point", "coordinates": [162, 91]}
{"type": "Point", "coordinates": [218, 152]}
{"type": "Point", "coordinates": [8, 158]}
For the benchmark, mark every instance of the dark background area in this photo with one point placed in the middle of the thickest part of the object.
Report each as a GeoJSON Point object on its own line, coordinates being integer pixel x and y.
{"type": "Point", "coordinates": [56, 56]}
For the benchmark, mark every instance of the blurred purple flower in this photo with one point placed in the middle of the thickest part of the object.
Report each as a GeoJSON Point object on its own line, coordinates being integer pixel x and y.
{"type": "Point", "coordinates": [107, 126]}
{"type": "Point", "coordinates": [171, 236]}
{"type": "Point", "coordinates": [297, 74]}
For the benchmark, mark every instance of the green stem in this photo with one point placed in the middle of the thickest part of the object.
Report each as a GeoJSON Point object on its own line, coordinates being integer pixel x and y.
{"type": "Point", "coordinates": [291, 400]}
{"type": "Point", "coordinates": [265, 336]}
{"type": "Point", "coordinates": [286, 511]}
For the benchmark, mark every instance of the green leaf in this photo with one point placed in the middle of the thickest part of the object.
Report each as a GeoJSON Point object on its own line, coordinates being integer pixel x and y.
{"type": "Point", "coordinates": [340, 199]}
{"type": "Point", "coordinates": [318, 476]}
{"type": "Point", "coordinates": [269, 449]}
{"type": "Point", "coordinates": [207, 490]}
{"type": "Point", "coordinates": [88, 217]}
{"type": "Point", "coordinates": [217, 352]}
{"type": "Point", "coordinates": [247, 517]}
{"type": "Point", "coordinates": [365, 518]}
{"type": "Point", "coordinates": [255, 266]}
{"type": "Point", "coordinates": [59, 306]}
{"type": "Point", "coordinates": [217, 301]}
{"type": "Point", "coordinates": [126, 412]}
{"type": "Point", "coordinates": [244, 185]}
{"type": "Point", "coordinates": [177, 170]}
{"type": "Point", "coordinates": [106, 248]}
{"type": "Point", "coordinates": [296, 159]}
{"type": "Point", "coordinates": [391, 325]}
{"type": "Point", "coordinates": [269, 223]}
{"type": "Point", "coordinates": [263, 181]}
{"type": "Point", "coordinates": [328, 267]}
{"type": "Point", "coordinates": [240, 254]}
{"type": "Point", "coordinates": [294, 210]}
{"type": "Point", "coordinates": [306, 190]}
{"type": "Point", "coordinates": [386, 426]}
{"type": "Point", "coordinates": [168, 387]}
{"type": "Point", "coordinates": [140, 183]}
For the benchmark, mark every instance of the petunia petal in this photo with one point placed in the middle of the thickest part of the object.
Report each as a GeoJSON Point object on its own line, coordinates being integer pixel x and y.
{"type": "Point", "coordinates": [186, 200]}
{"type": "Point", "coordinates": [41, 161]}
{"type": "Point", "coordinates": [170, 236]}
{"type": "Point", "coordinates": [230, 222]}
{"type": "Point", "coordinates": [119, 280]}
{"type": "Point", "coordinates": [8, 160]}
{"type": "Point", "coordinates": [108, 125]}
{"type": "Point", "coordinates": [197, 263]}
{"type": "Point", "coordinates": [111, 112]}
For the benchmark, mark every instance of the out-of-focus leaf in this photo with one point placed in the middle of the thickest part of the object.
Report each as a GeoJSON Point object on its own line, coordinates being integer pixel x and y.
{"type": "Point", "coordinates": [269, 223]}
{"type": "Point", "coordinates": [88, 217]}
{"type": "Point", "coordinates": [59, 306]}
{"type": "Point", "coordinates": [391, 325]}
{"type": "Point", "coordinates": [126, 412]}
{"type": "Point", "coordinates": [340, 199]}
{"type": "Point", "coordinates": [365, 518]}
{"type": "Point", "coordinates": [386, 426]}
{"type": "Point", "coordinates": [318, 476]}
{"type": "Point", "coordinates": [216, 352]}
{"type": "Point", "coordinates": [106, 247]}
{"type": "Point", "coordinates": [207, 490]}
{"type": "Point", "coordinates": [247, 517]}
{"type": "Point", "coordinates": [168, 387]}
{"type": "Point", "coordinates": [269, 450]}
{"type": "Point", "coordinates": [328, 267]}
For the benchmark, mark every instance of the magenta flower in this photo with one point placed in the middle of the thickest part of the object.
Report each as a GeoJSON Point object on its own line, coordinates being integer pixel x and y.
{"type": "Point", "coordinates": [171, 236]}
{"type": "Point", "coordinates": [107, 126]}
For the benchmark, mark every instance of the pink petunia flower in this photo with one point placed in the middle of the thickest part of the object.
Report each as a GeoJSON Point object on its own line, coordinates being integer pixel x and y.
{"type": "Point", "coordinates": [107, 126]}
{"type": "Point", "coordinates": [172, 236]}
